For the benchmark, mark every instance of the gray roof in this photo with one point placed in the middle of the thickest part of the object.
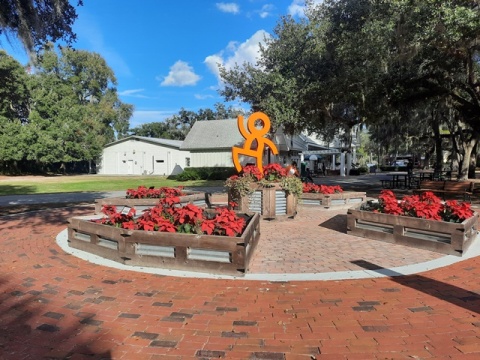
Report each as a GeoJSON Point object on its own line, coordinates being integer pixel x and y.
{"type": "Point", "coordinates": [298, 142]}
{"type": "Point", "coordinates": [212, 135]}
{"type": "Point", "coordinates": [223, 134]}
{"type": "Point", "coordinates": [166, 142]}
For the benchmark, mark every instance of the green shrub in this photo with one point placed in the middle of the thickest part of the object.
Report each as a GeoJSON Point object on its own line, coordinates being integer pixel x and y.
{"type": "Point", "coordinates": [206, 173]}
{"type": "Point", "coordinates": [363, 169]}
{"type": "Point", "coordinates": [393, 168]}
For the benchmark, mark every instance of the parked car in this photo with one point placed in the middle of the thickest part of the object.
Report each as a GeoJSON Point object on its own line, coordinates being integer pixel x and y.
{"type": "Point", "coordinates": [400, 163]}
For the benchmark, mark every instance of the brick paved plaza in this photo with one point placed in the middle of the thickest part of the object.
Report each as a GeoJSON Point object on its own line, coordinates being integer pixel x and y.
{"type": "Point", "coordinates": [54, 305]}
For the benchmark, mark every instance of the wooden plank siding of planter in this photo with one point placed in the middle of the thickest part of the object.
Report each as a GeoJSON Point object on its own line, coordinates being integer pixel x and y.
{"type": "Point", "coordinates": [199, 199]}
{"type": "Point", "coordinates": [270, 202]}
{"type": "Point", "coordinates": [188, 252]}
{"type": "Point", "coordinates": [439, 236]}
{"type": "Point", "coordinates": [333, 201]}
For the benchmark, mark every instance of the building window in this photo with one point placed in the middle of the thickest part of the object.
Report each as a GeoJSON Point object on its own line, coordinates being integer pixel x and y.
{"type": "Point", "coordinates": [160, 161]}
{"type": "Point", "coordinates": [187, 162]}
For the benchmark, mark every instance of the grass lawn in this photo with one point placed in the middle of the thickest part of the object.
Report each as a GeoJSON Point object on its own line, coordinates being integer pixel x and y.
{"type": "Point", "coordinates": [21, 185]}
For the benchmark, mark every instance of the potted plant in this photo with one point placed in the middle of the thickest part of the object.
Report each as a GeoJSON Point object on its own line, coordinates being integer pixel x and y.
{"type": "Point", "coordinates": [330, 196]}
{"type": "Point", "coordinates": [171, 235]}
{"type": "Point", "coordinates": [143, 198]}
{"type": "Point", "coordinates": [422, 221]}
{"type": "Point", "coordinates": [272, 193]}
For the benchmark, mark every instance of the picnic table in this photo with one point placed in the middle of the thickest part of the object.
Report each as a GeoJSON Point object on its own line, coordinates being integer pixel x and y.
{"type": "Point", "coordinates": [434, 175]}
{"type": "Point", "coordinates": [400, 180]}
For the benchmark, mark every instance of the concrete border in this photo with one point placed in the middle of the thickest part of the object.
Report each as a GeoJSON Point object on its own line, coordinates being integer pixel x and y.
{"type": "Point", "coordinates": [473, 251]}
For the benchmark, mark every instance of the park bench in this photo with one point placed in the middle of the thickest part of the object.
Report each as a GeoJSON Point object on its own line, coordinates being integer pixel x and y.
{"type": "Point", "coordinates": [447, 187]}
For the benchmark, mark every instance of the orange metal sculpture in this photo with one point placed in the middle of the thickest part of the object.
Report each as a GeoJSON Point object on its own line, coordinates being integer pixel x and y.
{"type": "Point", "coordinates": [250, 136]}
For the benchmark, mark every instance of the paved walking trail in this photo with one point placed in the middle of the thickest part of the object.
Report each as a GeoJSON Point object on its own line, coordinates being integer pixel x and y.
{"type": "Point", "coordinates": [54, 305]}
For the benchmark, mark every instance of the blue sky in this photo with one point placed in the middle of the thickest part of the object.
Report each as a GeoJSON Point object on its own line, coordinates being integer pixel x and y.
{"type": "Point", "coordinates": [164, 53]}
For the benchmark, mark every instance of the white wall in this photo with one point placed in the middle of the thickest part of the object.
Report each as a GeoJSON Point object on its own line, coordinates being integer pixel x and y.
{"type": "Point", "coordinates": [223, 159]}
{"type": "Point", "coordinates": [134, 157]}
{"type": "Point", "coordinates": [211, 158]}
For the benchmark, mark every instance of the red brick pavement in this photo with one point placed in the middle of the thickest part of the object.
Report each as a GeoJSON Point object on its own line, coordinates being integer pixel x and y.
{"type": "Point", "coordinates": [56, 306]}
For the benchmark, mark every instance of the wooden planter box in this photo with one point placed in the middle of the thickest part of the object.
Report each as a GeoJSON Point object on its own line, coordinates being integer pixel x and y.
{"type": "Point", "coordinates": [334, 201]}
{"type": "Point", "coordinates": [271, 203]}
{"type": "Point", "coordinates": [197, 198]}
{"type": "Point", "coordinates": [189, 252]}
{"type": "Point", "coordinates": [439, 236]}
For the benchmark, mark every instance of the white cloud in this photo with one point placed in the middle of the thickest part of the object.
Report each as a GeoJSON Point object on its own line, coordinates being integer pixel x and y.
{"type": "Point", "coordinates": [231, 8]}
{"type": "Point", "coordinates": [297, 7]}
{"type": "Point", "coordinates": [266, 11]}
{"type": "Point", "coordinates": [133, 93]}
{"type": "Point", "coordinates": [203, 97]}
{"type": "Point", "coordinates": [181, 74]}
{"type": "Point", "coordinates": [236, 53]}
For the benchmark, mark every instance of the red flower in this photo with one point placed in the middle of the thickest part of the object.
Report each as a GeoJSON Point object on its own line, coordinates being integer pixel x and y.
{"type": "Point", "coordinates": [322, 189]}
{"type": "Point", "coordinates": [168, 216]}
{"type": "Point", "coordinates": [457, 212]}
{"type": "Point", "coordinates": [151, 193]}
{"type": "Point", "coordinates": [425, 206]}
{"type": "Point", "coordinates": [274, 172]}
{"type": "Point", "coordinates": [253, 171]}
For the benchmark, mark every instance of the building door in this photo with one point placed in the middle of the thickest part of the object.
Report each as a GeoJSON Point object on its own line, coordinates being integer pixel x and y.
{"type": "Point", "coordinates": [130, 167]}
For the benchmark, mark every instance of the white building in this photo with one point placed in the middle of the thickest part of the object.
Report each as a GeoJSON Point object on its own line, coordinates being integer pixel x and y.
{"type": "Point", "coordinates": [208, 144]}
{"type": "Point", "coordinates": [138, 155]}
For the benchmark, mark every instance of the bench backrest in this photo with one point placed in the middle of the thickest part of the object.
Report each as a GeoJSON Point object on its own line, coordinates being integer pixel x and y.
{"type": "Point", "coordinates": [432, 184]}
{"type": "Point", "coordinates": [460, 186]}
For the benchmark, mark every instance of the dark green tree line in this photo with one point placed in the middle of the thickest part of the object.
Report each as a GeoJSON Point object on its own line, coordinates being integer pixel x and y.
{"type": "Point", "coordinates": [65, 112]}
{"type": "Point", "coordinates": [405, 69]}
{"type": "Point", "coordinates": [177, 126]}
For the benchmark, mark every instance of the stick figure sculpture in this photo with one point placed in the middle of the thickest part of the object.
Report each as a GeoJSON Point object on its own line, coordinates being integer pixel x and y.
{"type": "Point", "coordinates": [250, 136]}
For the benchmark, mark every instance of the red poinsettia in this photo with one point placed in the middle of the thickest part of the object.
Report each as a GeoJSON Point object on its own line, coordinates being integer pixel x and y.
{"type": "Point", "coordinates": [253, 171]}
{"type": "Point", "coordinates": [116, 218]}
{"type": "Point", "coordinates": [168, 216]}
{"type": "Point", "coordinates": [142, 192]}
{"type": "Point", "coordinates": [425, 206]}
{"type": "Point", "coordinates": [226, 222]}
{"type": "Point", "coordinates": [457, 212]}
{"type": "Point", "coordinates": [274, 172]}
{"type": "Point", "coordinates": [321, 189]}
{"type": "Point", "coordinates": [389, 203]}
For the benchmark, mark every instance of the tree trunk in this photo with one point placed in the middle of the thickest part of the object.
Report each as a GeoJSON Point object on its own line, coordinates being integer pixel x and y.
{"type": "Point", "coordinates": [438, 148]}
{"type": "Point", "coordinates": [464, 162]}
{"type": "Point", "coordinates": [473, 162]}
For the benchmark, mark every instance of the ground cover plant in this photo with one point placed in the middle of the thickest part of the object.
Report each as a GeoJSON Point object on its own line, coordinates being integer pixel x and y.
{"type": "Point", "coordinates": [426, 206]}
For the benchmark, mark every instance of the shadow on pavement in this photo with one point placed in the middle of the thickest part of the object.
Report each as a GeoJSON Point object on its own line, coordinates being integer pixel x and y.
{"type": "Point", "coordinates": [455, 295]}
{"type": "Point", "coordinates": [36, 219]}
{"type": "Point", "coordinates": [29, 331]}
{"type": "Point", "coordinates": [337, 222]}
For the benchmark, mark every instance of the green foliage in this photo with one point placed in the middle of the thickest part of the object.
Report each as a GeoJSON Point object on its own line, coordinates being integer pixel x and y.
{"type": "Point", "coordinates": [65, 112]}
{"type": "Point", "coordinates": [359, 171]}
{"type": "Point", "coordinates": [403, 68]}
{"type": "Point", "coordinates": [37, 22]}
{"type": "Point", "coordinates": [14, 92]}
{"type": "Point", "coordinates": [206, 173]}
{"type": "Point", "coordinates": [293, 185]}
